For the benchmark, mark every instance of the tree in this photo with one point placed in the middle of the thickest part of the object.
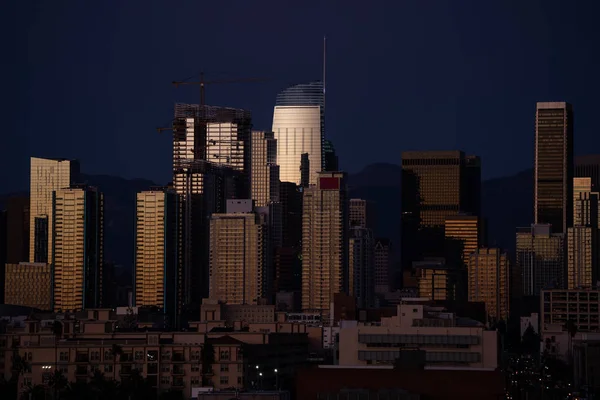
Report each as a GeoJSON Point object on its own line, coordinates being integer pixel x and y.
{"type": "Point", "coordinates": [135, 386]}
{"type": "Point", "coordinates": [208, 359]}
{"type": "Point", "coordinates": [530, 342]}
{"type": "Point", "coordinates": [171, 395]}
{"type": "Point", "coordinates": [19, 365]}
{"type": "Point", "coordinates": [571, 328]}
{"type": "Point", "coordinates": [116, 350]}
{"type": "Point", "coordinates": [37, 392]}
{"type": "Point", "coordinates": [58, 382]}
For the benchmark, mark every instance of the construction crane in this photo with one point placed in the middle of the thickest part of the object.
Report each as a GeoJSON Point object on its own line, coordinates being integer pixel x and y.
{"type": "Point", "coordinates": [203, 83]}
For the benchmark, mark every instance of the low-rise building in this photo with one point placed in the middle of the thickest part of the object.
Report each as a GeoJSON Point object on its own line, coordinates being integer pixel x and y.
{"type": "Point", "coordinates": [445, 338]}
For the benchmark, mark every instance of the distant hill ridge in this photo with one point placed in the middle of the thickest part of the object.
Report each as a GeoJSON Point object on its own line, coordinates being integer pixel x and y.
{"type": "Point", "coordinates": [507, 203]}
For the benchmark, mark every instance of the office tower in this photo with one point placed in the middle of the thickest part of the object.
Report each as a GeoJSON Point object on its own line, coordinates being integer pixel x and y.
{"type": "Point", "coordinates": [291, 203]}
{"type": "Point", "coordinates": [331, 159]}
{"type": "Point", "coordinates": [237, 255]}
{"type": "Point", "coordinates": [540, 259]}
{"type": "Point", "coordinates": [158, 261]}
{"type": "Point", "coordinates": [287, 261]}
{"type": "Point", "coordinates": [361, 213]}
{"type": "Point", "coordinates": [361, 274]}
{"type": "Point", "coordinates": [265, 171]}
{"type": "Point", "coordinates": [582, 237]}
{"type": "Point", "coordinates": [17, 223]}
{"type": "Point", "coordinates": [47, 176]}
{"type": "Point", "coordinates": [489, 281]}
{"type": "Point", "coordinates": [436, 281]}
{"type": "Point", "coordinates": [435, 185]}
{"type": "Point", "coordinates": [29, 285]}
{"type": "Point", "coordinates": [299, 125]}
{"type": "Point", "coordinates": [324, 241]}
{"type": "Point", "coordinates": [382, 259]}
{"type": "Point", "coordinates": [463, 233]}
{"type": "Point", "coordinates": [588, 166]}
{"type": "Point", "coordinates": [211, 162]}
{"type": "Point", "coordinates": [78, 248]}
{"type": "Point", "coordinates": [553, 174]}
{"type": "Point", "coordinates": [304, 170]}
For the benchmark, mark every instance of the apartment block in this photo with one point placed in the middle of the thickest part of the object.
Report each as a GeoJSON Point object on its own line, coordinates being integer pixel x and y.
{"type": "Point", "coordinates": [488, 271]}
{"type": "Point", "coordinates": [29, 285]}
{"type": "Point", "coordinates": [582, 306]}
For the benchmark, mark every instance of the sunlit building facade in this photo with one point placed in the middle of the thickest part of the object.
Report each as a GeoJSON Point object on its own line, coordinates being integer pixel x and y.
{"type": "Point", "coordinates": [553, 174]}
{"type": "Point", "coordinates": [265, 171]}
{"type": "Point", "coordinates": [540, 259]}
{"type": "Point", "coordinates": [78, 248]}
{"type": "Point", "coordinates": [465, 231]}
{"type": "Point", "coordinates": [47, 176]}
{"type": "Point", "coordinates": [488, 270]}
{"type": "Point", "coordinates": [435, 185]}
{"type": "Point", "coordinates": [158, 251]}
{"type": "Point", "coordinates": [29, 285]}
{"type": "Point", "coordinates": [299, 125]}
{"type": "Point", "coordinates": [324, 241]}
{"type": "Point", "coordinates": [238, 258]}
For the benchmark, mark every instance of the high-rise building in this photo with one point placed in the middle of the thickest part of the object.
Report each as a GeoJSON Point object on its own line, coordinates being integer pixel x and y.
{"type": "Point", "coordinates": [331, 159]}
{"type": "Point", "coordinates": [382, 259]}
{"type": "Point", "coordinates": [265, 171]}
{"type": "Point", "coordinates": [588, 166]}
{"type": "Point", "coordinates": [489, 281]}
{"type": "Point", "coordinates": [361, 262]}
{"type": "Point", "coordinates": [553, 174]}
{"type": "Point", "coordinates": [435, 185]}
{"type": "Point", "coordinates": [17, 223]}
{"type": "Point", "coordinates": [47, 176]}
{"type": "Point", "coordinates": [299, 125]}
{"type": "Point", "coordinates": [437, 281]}
{"type": "Point", "coordinates": [158, 258]}
{"type": "Point", "coordinates": [465, 231]}
{"type": "Point", "coordinates": [29, 285]}
{"type": "Point", "coordinates": [238, 272]}
{"type": "Point", "coordinates": [582, 237]}
{"type": "Point", "coordinates": [211, 163]}
{"type": "Point", "coordinates": [540, 259]}
{"type": "Point", "coordinates": [78, 248]}
{"type": "Point", "coordinates": [324, 241]}
{"type": "Point", "coordinates": [361, 213]}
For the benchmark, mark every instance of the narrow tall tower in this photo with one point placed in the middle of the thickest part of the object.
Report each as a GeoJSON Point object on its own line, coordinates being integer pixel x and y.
{"type": "Point", "coordinates": [46, 176]}
{"type": "Point", "coordinates": [553, 180]}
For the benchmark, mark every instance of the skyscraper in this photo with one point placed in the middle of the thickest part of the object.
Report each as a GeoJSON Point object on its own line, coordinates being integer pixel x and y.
{"type": "Point", "coordinates": [299, 125]}
{"type": "Point", "coordinates": [489, 281]}
{"type": "Point", "coordinates": [435, 185]}
{"type": "Point", "coordinates": [361, 274]}
{"type": "Point", "coordinates": [47, 176]}
{"type": "Point", "coordinates": [265, 171]}
{"type": "Point", "coordinates": [383, 273]}
{"type": "Point", "coordinates": [17, 222]}
{"type": "Point", "coordinates": [237, 255]}
{"type": "Point", "coordinates": [331, 159]}
{"type": "Point", "coordinates": [211, 162]}
{"type": "Point", "coordinates": [540, 259]}
{"type": "Point", "coordinates": [324, 241]}
{"type": "Point", "coordinates": [78, 248]}
{"type": "Point", "coordinates": [465, 231]}
{"type": "Point", "coordinates": [553, 175]}
{"type": "Point", "coordinates": [361, 213]}
{"type": "Point", "coordinates": [158, 258]}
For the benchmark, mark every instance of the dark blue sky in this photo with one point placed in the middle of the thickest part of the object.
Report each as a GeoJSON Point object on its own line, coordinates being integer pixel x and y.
{"type": "Point", "coordinates": [92, 81]}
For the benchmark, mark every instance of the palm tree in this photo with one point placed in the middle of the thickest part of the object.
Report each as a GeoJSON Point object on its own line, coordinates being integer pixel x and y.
{"type": "Point", "coordinates": [57, 330]}
{"type": "Point", "coordinates": [208, 359]}
{"type": "Point", "coordinates": [58, 382]}
{"type": "Point", "coordinates": [116, 350]}
{"type": "Point", "coordinates": [37, 392]}
{"type": "Point", "coordinates": [571, 328]}
{"type": "Point", "coordinates": [19, 365]}
{"type": "Point", "coordinates": [98, 385]}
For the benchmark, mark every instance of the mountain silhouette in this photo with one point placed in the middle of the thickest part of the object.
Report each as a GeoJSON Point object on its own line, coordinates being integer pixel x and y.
{"type": "Point", "coordinates": [507, 203]}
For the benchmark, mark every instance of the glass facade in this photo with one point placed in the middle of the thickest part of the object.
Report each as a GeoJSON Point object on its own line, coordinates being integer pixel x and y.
{"type": "Point", "coordinates": [554, 165]}
{"type": "Point", "coordinates": [299, 127]}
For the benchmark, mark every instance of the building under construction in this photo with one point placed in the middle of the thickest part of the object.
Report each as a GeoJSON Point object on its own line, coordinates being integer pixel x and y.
{"type": "Point", "coordinates": [211, 163]}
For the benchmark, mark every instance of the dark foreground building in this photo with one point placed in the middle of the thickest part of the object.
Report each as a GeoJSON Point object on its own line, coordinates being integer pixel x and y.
{"type": "Point", "coordinates": [335, 382]}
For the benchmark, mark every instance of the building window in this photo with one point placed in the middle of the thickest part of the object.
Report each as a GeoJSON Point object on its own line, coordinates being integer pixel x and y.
{"type": "Point", "coordinates": [152, 355]}
{"type": "Point", "coordinates": [108, 368]}
{"type": "Point", "coordinates": [95, 356]}
{"type": "Point", "coordinates": [224, 380]}
{"type": "Point", "coordinates": [239, 380]}
{"type": "Point", "coordinates": [224, 355]}
{"type": "Point", "coordinates": [165, 380]}
{"type": "Point", "coordinates": [240, 368]}
{"type": "Point", "coordinates": [195, 367]}
{"type": "Point", "coordinates": [195, 355]}
{"type": "Point", "coordinates": [224, 367]}
{"type": "Point", "coordinates": [64, 356]}
{"type": "Point", "coordinates": [108, 355]}
{"type": "Point", "coordinates": [139, 355]}
{"type": "Point", "coordinates": [195, 380]}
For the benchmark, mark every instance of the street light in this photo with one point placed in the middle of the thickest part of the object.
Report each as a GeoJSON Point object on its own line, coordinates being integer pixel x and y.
{"type": "Point", "coordinates": [276, 379]}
